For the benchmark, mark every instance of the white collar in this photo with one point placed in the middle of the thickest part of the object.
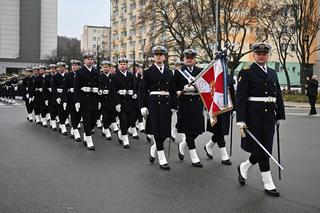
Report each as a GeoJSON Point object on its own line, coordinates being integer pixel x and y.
{"type": "Point", "coordinates": [124, 73]}
{"type": "Point", "coordinates": [106, 74]}
{"type": "Point", "coordinates": [88, 68]}
{"type": "Point", "coordinates": [62, 73]}
{"type": "Point", "coordinates": [190, 69]}
{"type": "Point", "coordinates": [161, 69]}
{"type": "Point", "coordinates": [264, 68]}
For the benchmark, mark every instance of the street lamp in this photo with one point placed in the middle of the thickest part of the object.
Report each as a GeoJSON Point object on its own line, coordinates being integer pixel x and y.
{"type": "Point", "coordinates": [306, 46]}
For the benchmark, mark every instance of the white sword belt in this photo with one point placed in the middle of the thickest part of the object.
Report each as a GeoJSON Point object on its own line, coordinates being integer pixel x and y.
{"type": "Point", "coordinates": [39, 89]}
{"type": "Point", "coordinates": [90, 89]}
{"type": "Point", "coordinates": [164, 93]}
{"type": "Point", "coordinates": [71, 90]}
{"type": "Point", "coordinates": [263, 99]}
{"type": "Point", "coordinates": [105, 92]}
{"type": "Point", "coordinates": [190, 93]}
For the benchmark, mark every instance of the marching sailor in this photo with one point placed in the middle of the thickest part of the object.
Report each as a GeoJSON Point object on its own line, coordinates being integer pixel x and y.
{"type": "Point", "coordinates": [157, 99]}
{"type": "Point", "coordinates": [190, 107]}
{"type": "Point", "coordinates": [259, 107]}
{"type": "Point", "coordinates": [48, 97]}
{"type": "Point", "coordinates": [126, 95]}
{"type": "Point", "coordinates": [86, 96]}
{"type": "Point", "coordinates": [68, 99]}
{"type": "Point", "coordinates": [107, 96]}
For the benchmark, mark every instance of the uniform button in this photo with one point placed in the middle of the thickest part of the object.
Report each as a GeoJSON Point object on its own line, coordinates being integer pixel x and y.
{"type": "Point", "coordinates": [266, 110]}
{"type": "Point", "coordinates": [158, 96]}
{"type": "Point", "coordinates": [265, 84]}
{"type": "Point", "coordinates": [266, 93]}
{"type": "Point", "coordinates": [159, 102]}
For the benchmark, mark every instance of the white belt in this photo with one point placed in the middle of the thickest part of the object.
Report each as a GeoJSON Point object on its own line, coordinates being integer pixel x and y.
{"type": "Point", "coordinates": [190, 93]}
{"type": "Point", "coordinates": [122, 92]}
{"type": "Point", "coordinates": [71, 90]}
{"type": "Point", "coordinates": [59, 90]}
{"type": "Point", "coordinates": [105, 92]}
{"type": "Point", "coordinates": [159, 93]}
{"type": "Point", "coordinates": [89, 89]}
{"type": "Point", "coordinates": [39, 89]}
{"type": "Point", "coordinates": [27, 88]}
{"type": "Point", "coordinates": [15, 88]}
{"type": "Point", "coordinates": [50, 90]}
{"type": "Point", "coordinates": [263, 99]}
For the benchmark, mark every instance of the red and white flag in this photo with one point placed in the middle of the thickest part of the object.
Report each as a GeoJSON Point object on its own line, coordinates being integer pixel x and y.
{"type": "Point", "coordinates": [210, 84]}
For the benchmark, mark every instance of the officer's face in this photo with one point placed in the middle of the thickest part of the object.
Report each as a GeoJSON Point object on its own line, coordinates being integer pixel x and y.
{"type": "Point", "coordinates": [105, 69]}
{"type": "Point", "coordinates": [62, 69]}
{"type": "Point", "coordinates": [159, 58]}
{"type": "Point", "coordinates": [112, 70]}
{"type": "Point", "coordinates": [122, 66]}
{"type": "Point", "coordinates": [189, 61]}
{"type": "Point", "coordinates": [88, 61]}
{"type": "Point", "coordinates": [261, 57]}
{"type": "Point", "coordinates": [75, 67]}
{"type": "Point", "coordinates": [53, 70]}
{"type": "Point", "coordinates": [41, 71]}
{"type": "Point", "coordinates": [35, 72]}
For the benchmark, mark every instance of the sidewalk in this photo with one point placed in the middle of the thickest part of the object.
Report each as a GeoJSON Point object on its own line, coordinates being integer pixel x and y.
{"type": "Point", "coordinates": [299, 105]}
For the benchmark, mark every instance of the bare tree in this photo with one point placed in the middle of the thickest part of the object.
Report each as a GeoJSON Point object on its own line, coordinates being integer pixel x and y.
{"type": "Point", "coordinates": [307, 26]}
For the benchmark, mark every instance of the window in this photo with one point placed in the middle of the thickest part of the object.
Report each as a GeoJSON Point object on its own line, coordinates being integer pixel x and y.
{"type": "Point", "coordinates": [94, 38]}
{"type": "Point", "coordinates": [292, 47]}
{"type": "Point", "coordinates": [98, 47]}
{"type": "Point", "coordinates": [94, 30]}
{"type": "Point", "coordinates": [293, 69]}
{"type": "Point", "coordinates": [99, 38]}
{"type": "Point", "coordinates": [94, 46]}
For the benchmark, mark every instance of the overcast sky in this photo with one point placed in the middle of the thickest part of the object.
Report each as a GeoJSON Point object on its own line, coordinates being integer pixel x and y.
{"type": "Point", "coordinates": [74, 14]}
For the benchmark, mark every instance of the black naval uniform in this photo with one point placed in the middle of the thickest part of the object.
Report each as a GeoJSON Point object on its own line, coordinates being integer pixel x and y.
{"type": "Point", "coordinates": [57, 92]}
{"type": "Point", "coordinates": [86, 93]}
{"type": "Point", "coordinates": [108, 100]}
{"type": "Point", "coordinates": [190, 108]}
{"type": "Point", "coordinates": [138, 83]}
{"type": "Point", "coordinates": [47, 93]}
{"type": "Point", "coordinates": [68, 97]}
{"type": "Point", "coordinates": [159, 106]}
{"type": "Point", "coordinates": [260, 117]}
{"type": "Point", "coordinates": [127, 113]}
{"type": "Point", "coordinates": [312, 93]}
{"type": "Point", "coordinates": [37, 88]}
{"type": "Point", "coordinates": [27, 83]}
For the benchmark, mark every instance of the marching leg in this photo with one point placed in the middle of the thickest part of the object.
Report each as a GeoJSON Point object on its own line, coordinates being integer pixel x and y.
{"type": "Point", "coordinates": [243, 169]}
{"type": "Point", "coordinates": [182, 148]}
{"type": "Point", "coordinates": [208, 148]}
{"type": "Point", "coordinates": [269, 187]}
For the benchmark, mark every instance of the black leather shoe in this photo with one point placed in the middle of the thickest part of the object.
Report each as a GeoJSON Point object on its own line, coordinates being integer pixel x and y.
{"type": "Point", "coordinates": [226, 162]}
{"type": "Point", "coordinates": [109, 138]}
{"type": "Point", "coordinates": [120, 141]}
{"type": "Point", "coordinates": [84, 143]}
{"type": "Point", "coordinates": [44, 126]}
{"type": "Point", "coordinates": [208, 155]}
{"type": "Point", "coordinates": [198, 165]}
{"type": "Point", "coordinates": [148, 139]}
{"type": "Point", "coordinates": [54, 129]}
{"type": "Point", "coordinates": [78, 139]}
{"type": "Point", "coordinates": [91, 148]}
{"type": "Point", "coordinates": [136, 137]}
{"type": "Point", "coordinates": [103, 135]}
{"type": "Point", "coordinates": [71, 136]}
{"type": "Point", "coordinates": [126, 146]}
{"type": "Point", "coordinates": [172, 139]}
{"type": "Point", "coordinates": [65, 133]}
{"type": "Point", "coordinates": [180, 156]}
{"type": "Point", "coordinates": [151, 159]}
{"type": "Point", "coordinates": [92, 132]}
{"type": "Point", "coordinates": [165, 167]}
{"type": "Point", "coordinates": [142, 131]}
{"type": "Point", "coordinates": [273, 192]}
{"type": "Point", "coordinates": [241, 179]}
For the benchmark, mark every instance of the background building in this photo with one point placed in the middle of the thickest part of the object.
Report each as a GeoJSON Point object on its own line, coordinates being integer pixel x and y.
{"type": "Point", "coordinates": [28, 33]}
{"type": "Point", "coordinates": [96, 39]}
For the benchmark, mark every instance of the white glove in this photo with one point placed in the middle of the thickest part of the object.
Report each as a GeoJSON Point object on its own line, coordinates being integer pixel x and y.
{"type": "Point", "coordinates": [242, 125]}
{"type": "Point", "coordinates": [233, 114]}
{"type": "Point", "coordinates": [30, 99]}
{"type": "Point", "coordinates": [134, 96]}
{"type": "Point", "coordinates": [118, 108]}
{"type": "Point", "coordinates": [174, 110]}
{"type": "Point", "coordinates": [58, 100]}
{"type": "Point", "coordinates": [46, 102]}
{"type": "Point", "coordinates": [188, 88]}
{"type": "Point", "coordinates": [27, 96]}
{"type": "Point", "coordinates": [77, 106]}
{"type": "Point", "coordinates": [99, 105]}
{"type": "Point", "coordinates": [281, 121]}
{"type": "Point", "coordinates": [144, 112]}
{"type": "Point", "coordinates": [64, 106]}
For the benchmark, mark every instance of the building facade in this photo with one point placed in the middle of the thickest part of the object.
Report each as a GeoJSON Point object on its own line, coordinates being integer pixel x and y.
{"type": "Point", "coordinates": [28, 33]}
{"type": "Point", "coordinates": [97, 39]}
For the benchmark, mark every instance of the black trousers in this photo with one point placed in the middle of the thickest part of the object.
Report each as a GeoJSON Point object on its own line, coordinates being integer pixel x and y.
{"type": "Point", "coordinates": [63, 114]}
{"type": "Point", "coordinates": [190, 139]}
{"type": "Point", "coordinates": [159, 143]}
{"type": "Point", "coordinates": [139, 117]}
{"type": "Point", "coordinates": [53, 110]}
{"type": "Point", "coordinates": [219, 139]}
{"type": "Point", "coordinates": [127, 119]}
{"type": "Point", "coordinates": [75, 118]}
{"type": "Point", "coordinates": [312, 101]}
{"type": "Point", "coordinates": [29, 106]}
{"type": "Point", "coordinates": [89, 121]}
{"type": "Point", "coordinates": [107, 117]}
{"type": "Point", "coordinates": [263, 162]}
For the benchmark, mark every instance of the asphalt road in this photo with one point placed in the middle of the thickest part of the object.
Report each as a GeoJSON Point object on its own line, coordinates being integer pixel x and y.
{"type": "Point", "coordinates": [43, 171]}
